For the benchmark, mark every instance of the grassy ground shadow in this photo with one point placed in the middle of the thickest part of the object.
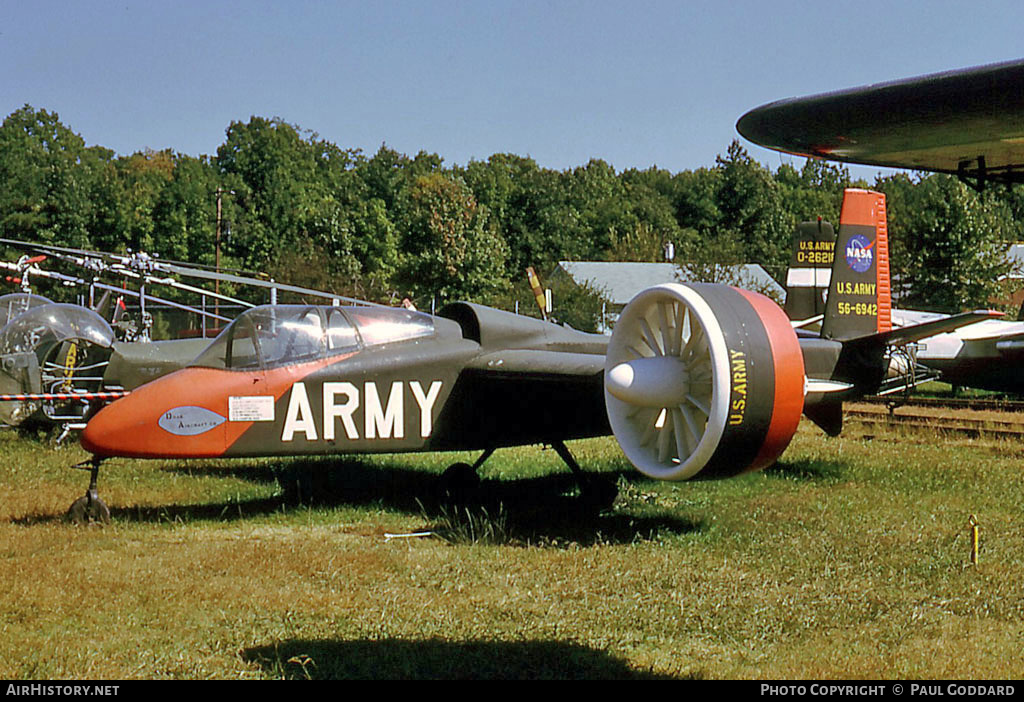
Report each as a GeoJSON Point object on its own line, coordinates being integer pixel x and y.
{"type": "Point", "coordinates": [814, 470]}
{"type": "Point", "coordinates": [437, 659]}
{"type": "Point", "coordinates": [549, 508]}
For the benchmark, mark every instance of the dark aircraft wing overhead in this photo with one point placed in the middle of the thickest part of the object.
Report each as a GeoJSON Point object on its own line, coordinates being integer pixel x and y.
{"type": "Point", "coordinates": [967, 122]}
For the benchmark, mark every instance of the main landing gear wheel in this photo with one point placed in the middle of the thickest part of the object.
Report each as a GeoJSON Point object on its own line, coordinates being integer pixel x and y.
{"type": "Point", "coordinates": [458, 483]}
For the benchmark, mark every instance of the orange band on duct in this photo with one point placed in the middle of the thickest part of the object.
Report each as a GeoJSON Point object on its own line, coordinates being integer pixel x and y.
{"type": "Point", "coordinates": [788, 361]}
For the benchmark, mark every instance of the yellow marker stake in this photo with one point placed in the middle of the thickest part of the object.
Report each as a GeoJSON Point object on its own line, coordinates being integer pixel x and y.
{"type": "Point", "coordinates": [973, 521]}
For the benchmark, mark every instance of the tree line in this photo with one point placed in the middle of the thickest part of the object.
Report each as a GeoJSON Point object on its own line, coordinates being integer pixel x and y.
{"type": "Point", "coordinates": [387, 226]}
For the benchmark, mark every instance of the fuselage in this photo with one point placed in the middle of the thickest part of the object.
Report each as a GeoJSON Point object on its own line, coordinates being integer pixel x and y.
{"type": "Point", "coordinates": [307, 380]}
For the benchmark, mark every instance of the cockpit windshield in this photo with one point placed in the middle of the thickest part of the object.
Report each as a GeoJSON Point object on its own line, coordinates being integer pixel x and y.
{"type": "Point", "coordinates": [275, 335]}
{"type": "Point", "coordinates": [384, 325]}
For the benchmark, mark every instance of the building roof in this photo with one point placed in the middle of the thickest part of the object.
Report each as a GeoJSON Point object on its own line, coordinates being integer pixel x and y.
{"type": "Point", "coordinates": [1016, 256]}
{"type": "Point", "coordinates": [620, 281]}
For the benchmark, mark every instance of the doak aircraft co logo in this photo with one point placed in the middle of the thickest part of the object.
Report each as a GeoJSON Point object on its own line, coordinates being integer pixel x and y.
{"type": "Point", "coordinates": [859, 254]}
{"type": "Point", "coordinates": [189, 421]}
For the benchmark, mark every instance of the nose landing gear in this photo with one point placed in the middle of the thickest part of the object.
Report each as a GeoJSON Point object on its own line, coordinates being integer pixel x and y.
{"type": "Point", "coordinates": [89, 509]}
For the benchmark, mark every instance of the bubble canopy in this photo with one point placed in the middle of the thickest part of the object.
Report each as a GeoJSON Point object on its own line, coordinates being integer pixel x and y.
{"type": "Point", "coordinates": [44, 349]}
{"type": "Point", "coordinates": [276, 335]}
{"type": "Point", "coordinates": [41, 328]}
{"type": "Point", "coordinates": [15, 304]}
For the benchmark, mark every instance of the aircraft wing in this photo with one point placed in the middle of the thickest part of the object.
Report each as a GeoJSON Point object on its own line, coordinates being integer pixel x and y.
{"type": "Point", "coordinates": [967, 122]}
{"type": "Point", "coordinates": [923, 330]}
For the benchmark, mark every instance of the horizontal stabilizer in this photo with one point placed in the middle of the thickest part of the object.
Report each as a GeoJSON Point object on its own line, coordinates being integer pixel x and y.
{"type": "Point", "coordinates": [801, 323]}
{"type": "Point", "coordinates": [814, 385]}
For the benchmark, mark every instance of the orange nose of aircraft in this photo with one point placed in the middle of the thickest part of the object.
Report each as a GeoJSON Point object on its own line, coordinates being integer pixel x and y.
{"type": "Point", "coordinates": [179, 415]}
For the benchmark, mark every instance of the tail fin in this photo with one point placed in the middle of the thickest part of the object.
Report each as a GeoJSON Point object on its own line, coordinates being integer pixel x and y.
{"type": "Point", "coordinates": [810, 269]}
{"type": "Point", "coordinates": [860, 294]}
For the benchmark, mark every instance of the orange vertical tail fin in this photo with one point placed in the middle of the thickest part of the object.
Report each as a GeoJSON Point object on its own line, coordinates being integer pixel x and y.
{"type": "Point", "coordinates": [860, 291]}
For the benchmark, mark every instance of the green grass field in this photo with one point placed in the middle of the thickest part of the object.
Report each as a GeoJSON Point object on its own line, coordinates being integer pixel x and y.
{"type": "Point", "coordinates": [849, 559]}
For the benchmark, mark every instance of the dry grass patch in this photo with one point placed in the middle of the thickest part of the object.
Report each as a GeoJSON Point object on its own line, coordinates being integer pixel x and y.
{"type": "Point", "coordinates": [848, 559]}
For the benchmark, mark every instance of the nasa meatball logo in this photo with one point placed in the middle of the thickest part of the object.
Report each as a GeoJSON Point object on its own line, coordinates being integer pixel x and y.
{"type": "Point", "coordinates": [858, 253]}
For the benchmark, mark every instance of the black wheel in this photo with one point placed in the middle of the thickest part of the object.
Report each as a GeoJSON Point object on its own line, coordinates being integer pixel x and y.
{"type": "Point", "coordinates": [458, 483]}
{"type": "Point", "coordinates": [599, 492]}
{"type": "Point", "coordinates": [86, 511]}
{"type": "Point", "coordinates": [304, 484]}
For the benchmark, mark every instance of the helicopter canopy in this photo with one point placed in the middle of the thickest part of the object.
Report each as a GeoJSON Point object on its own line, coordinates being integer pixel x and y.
{"type": "Point", "coordinates": [14, 304]}
{"type": "Point", "coordinates": [43, 348]}
{"type": "Point", "coordinates": [42, 327]}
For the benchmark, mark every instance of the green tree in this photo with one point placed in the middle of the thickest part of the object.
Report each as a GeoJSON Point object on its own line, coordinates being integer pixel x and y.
{"type": "Point", "coordinates": [184, 214]}
{"type": "Point", "coordinates": [751, 208]}
{"type": "Point", "coordinates": [641, 243]}
{"type": "Point", "coordinates": [581, 306]}
{"type": "Point", "coordinates": [47, 179]}
{"type": "Point", "coordinates": [651, 224]}
{"type": "Point", "coordinates": [297, 193]}
{"type": "Point", "coordinates": [512, 188]}
{"type": "Point", "coordinates": [816, 190]}
{"type": "Point", "coordinates": [449, 249]}
{"type": "Point", "coordinates": [948, 243]}
{"type": "Point", "coordinates": [143, 178]}
{"type": "Point", "coordinates": [695, 199]}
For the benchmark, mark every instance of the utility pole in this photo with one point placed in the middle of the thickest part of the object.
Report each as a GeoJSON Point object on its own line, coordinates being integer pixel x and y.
{"type": "Point", "coordinates": [216, 283]}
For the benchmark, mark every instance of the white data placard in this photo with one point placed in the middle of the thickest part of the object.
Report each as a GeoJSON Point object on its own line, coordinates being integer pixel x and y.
{"type": "Point", "coordinates": [251, 408]}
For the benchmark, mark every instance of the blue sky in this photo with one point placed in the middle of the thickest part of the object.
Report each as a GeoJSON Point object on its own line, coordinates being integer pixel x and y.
{"type": "Point", "coordinates": [634, 83]}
